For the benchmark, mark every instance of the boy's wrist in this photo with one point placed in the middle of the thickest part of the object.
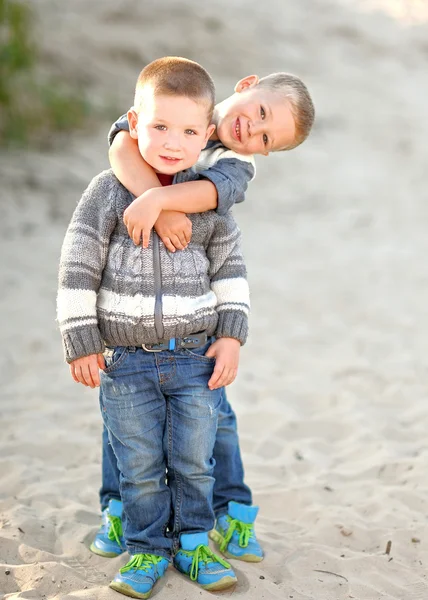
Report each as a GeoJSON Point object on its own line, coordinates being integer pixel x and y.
{"type": "Point", "coordinates": [155, 196]}
{"type": "Point", "coordinates": [229, 339]}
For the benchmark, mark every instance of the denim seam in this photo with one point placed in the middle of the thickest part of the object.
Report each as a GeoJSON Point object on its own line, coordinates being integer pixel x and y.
{"type": "Point", "coordinates": [177, 509]}
{"type": "Point", "coordinates": [171, 467]}
{"type": "Point", "coordinates": [165, 378]}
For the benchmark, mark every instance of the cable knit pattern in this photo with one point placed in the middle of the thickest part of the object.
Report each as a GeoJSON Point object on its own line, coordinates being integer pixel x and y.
{"type": "Point", "coordinates": [107, 285]}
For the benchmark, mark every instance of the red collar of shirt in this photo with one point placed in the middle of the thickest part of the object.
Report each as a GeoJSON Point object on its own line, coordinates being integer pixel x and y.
{"type": "Point", "coordinates": [165, 179]}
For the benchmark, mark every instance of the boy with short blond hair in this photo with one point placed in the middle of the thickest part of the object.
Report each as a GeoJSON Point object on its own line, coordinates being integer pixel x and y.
{"type": "Point", "coordinates": [165, 329]}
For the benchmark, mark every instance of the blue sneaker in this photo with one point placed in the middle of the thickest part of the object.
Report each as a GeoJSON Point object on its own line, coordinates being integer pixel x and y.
{"type": "Point", "coordinates": [196, 560]}
{"type": "Point", "coordinates": [234, 533]}
{"type": "Point", "coordinates": [139, 575]}
{"type": "Point", "coordinates": [109, 540]}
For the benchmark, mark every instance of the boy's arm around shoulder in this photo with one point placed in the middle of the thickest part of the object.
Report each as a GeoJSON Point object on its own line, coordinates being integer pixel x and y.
{"type": "Point", "coordinates": [228, 276]}
{"type": "Point", "coordinates": [229, 172]}
{"type": "Point", "coordinates": [222, 180]}
{"type": "Point", "coordinates": [83, 257]}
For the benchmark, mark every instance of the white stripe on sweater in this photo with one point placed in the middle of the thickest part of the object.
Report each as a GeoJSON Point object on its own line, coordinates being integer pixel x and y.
{"type": "Point", "coordinates": [232, 290]}
{"type": "Point", "coordinates": [74, 304]}
{"type": "Point", "coordinates": [83, 303]}
{"type": "Point", "coordinates": [131, 306]}
{"type": "Point", "coordinates": [144, 306]}
{"type": "Point", "coordinates": [72, 325]}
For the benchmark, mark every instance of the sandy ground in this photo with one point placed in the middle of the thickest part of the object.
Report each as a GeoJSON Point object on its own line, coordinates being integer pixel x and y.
{"type": "Point", "coordinates": [332, 391]}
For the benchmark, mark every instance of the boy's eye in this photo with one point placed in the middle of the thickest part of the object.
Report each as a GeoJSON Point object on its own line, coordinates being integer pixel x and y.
{"type": "Point", "coordinates": [160, 127]}
{"type": "Point", "coordinates": [262, 112]}
{"type": "Point", "coordinates": [190, 132]}
{"type": "Point", "coordinates": [265, 139]}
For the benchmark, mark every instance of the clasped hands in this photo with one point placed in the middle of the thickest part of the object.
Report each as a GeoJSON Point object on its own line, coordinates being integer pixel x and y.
{"type": "Point", "coordinates": [174, 228]}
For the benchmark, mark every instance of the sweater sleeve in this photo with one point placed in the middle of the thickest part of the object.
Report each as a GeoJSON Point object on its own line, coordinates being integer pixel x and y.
{"type": "Point", "coordinates": [231, 175]}
{"type": "Point", "coordinates": [83, 257]}
{"type": "Point", "coordinates": [120, 125]}
{"type": "Point", "coordinates": [228, 276]}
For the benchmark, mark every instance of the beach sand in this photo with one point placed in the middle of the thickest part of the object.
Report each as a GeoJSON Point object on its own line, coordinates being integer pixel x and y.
{"type": "Point", "coordinates": [332, 391]}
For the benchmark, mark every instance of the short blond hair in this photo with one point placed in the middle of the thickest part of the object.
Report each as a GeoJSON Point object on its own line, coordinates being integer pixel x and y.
{"type": "Point", "coordinates": [176, 76]}
{"type": "Point", "coordinates": [292, 88]}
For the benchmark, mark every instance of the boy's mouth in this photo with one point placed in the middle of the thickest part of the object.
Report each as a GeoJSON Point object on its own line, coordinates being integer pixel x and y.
{"type": "Point", "coordinates": [171, 160]}
{"type": "Point", "coordinates": [236, 129]}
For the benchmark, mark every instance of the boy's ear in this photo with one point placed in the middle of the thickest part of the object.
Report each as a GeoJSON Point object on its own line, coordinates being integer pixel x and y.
{"type": "Point", "coordinates": [133, 122]}
{"type": "Point", "coordinates": [248, 82]}
{"type": "Point", "coordinates": [210, 131]}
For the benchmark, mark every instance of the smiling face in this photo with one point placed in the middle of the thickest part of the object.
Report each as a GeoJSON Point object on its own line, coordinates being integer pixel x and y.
{"type": "Point", "coordinates": [255, 120]}
{"type": "Point", "coordinates": [171, 131]}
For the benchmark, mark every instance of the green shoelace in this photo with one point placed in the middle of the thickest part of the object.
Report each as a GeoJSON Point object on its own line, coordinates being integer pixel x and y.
{"type": "Point", "coordinates": [115, 531]}
{"type": "Point", "coordinates": [245, 531]}
{"type": "Point", "coordinates": [204, 554]}
{"type": "Point", "coordinates": [144, 562]}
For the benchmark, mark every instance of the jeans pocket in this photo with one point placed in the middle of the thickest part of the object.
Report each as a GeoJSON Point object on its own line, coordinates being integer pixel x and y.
{"type": "Point", "coordinates": [199, 353]}
{"type": "Point", "coordinates": [114, 357]}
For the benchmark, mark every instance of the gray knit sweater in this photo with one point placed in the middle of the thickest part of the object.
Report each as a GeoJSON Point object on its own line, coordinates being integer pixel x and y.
{"type": "Point", "coordinates": [113, 292]}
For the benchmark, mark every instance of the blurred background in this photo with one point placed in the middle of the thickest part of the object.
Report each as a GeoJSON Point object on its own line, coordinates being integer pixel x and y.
{"type": "Point", "coordinates": [332, 391]}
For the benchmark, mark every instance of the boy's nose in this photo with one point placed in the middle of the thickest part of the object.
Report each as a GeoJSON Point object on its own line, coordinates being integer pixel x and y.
{"type": "Point", "coordinates": [255, 127]}
{"type": "Point", "coordinates": [172, 143]}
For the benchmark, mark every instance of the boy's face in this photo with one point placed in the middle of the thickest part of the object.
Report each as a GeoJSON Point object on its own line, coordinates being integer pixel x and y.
{"type": "Point", "coordinates": [254, 120]}
{"type": "Point", "coordinates": [171, 131]}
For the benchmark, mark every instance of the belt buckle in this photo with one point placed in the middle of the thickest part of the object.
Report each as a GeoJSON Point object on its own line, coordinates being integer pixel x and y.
{"type": "Point", "coordinates": [144, 347]}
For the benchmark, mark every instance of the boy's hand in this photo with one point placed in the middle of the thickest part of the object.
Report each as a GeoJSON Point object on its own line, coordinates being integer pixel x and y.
{"type": "Point", "coordinates": [226, 353]}
{"type": "Point", "coordinates": [86, 370]}
{"type": "Point", "coordinates": [141, 215]}
{"type": "Point", "coordinates": [174, 229]}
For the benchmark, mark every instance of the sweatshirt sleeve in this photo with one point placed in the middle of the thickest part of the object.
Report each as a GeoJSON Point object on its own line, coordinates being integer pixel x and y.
{"type": "Point", "coordinates": [83, 257]}
{"type": "Point", "coordinates": [228, 275]}
{"type": "Point", "coordinates": [120, 125]}
{"type": "Point", "coordinates": [231, 174]}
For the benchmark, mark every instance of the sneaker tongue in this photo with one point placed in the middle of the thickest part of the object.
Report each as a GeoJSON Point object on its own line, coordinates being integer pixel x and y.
{"type": "Point", "coordinates": [115, 508]}
{"type": "Point", "coordinates": [190, 541]}
{"type": "Point", "coordinates": [242, 512]}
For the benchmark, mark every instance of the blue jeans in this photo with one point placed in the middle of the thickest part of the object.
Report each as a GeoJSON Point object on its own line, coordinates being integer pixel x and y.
{"type": "Point", "coordinates": [160, 414]}
{"type": "Point", "coordinates": [228, 471]}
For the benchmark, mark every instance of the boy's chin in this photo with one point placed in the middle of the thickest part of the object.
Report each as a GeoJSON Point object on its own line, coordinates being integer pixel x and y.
{"type": "Point", "coordinates": [166, 169]}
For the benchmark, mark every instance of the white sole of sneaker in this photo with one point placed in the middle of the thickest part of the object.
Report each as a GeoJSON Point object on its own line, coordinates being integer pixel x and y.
{"type": "Point", "coordinates": [127, 590]}
{"type": "Point", "coordinates": [223, 584]}
{"type": "Point", "coordinates": [96, 550]}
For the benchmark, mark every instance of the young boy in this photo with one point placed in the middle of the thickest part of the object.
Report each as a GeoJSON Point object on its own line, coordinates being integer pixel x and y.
{"type": "Point", "coordinates": [270, 114]}
{"type": "Point", "coordinates": [155, 314]}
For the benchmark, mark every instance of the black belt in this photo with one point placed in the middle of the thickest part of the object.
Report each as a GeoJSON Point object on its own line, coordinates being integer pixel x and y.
{"type": "Point", "coordinates": [195, 340]}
